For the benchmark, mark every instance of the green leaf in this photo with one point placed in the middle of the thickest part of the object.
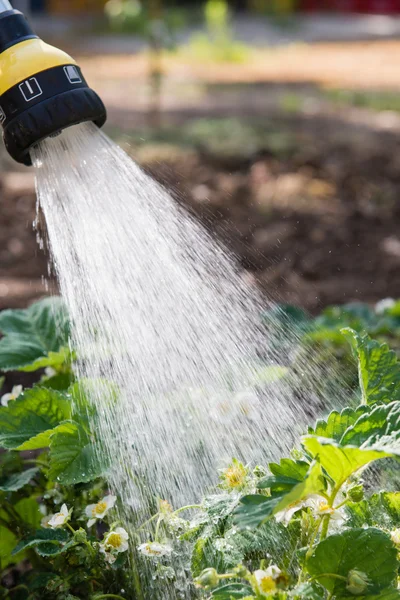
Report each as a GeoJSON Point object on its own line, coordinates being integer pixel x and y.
{"type": "Point", "coordinates": [286, 475]}
{"type": "Point", "coordinates": [337, 423]}
{"type": "Point", "coordinates": [28, 420]}
{"type": "Point", "coordinates": [46, 541]}
{"type": "Point", "coordinates": [73, 456]}
{"type": "Point", "coordinates": [383, 420]}
{"type": "Point", "coordinates": [232, 590]}
{"type": "Point", "coordinates": [378, 368]}
{"type": "Point", "coordinates": [367, 550]}
{"type": "Point", "coordinates": [340, 461]}
{"type": "Point", "coordinates": [254, 510]}
{"type": "Point", "coordinates": [8, 541]}
{"type": "Point", "coordinates": [18, 480]}
{"type": "Point", "coordinates": [28, 510]}
{"type": "Point", "coordinates": [36, 337]}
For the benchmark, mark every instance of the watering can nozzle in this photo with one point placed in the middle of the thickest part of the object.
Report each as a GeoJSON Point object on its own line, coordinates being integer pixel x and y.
{"type": "Point", "coordinates": [42, 89]}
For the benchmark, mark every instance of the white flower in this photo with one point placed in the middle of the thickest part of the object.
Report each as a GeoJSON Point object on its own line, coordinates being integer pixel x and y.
{"type": "Point", "coordinates": [154, 549]}
{"type": "Point", "coordinates": [319, 508]}
{"type": "Point", "coordinates": [60, 518]}
{"type": "Point", "coordinates": [265, 580]}
{"type": "Point", "coordinates": [395, 537]}
{"type": "Point", "coordinates": [99, 510]}
{"type": "Point", "coordinates": [50, 372]}
{"type": "Point", "coordinates": [383, 305]}
{"type": "Point", "coordinates": [114, 542]}
{"type": "Point", "coordinates": [16, 391]}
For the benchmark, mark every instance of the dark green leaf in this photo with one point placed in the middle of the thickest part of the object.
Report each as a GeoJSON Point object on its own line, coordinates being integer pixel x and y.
{"type": "Point", "coordinates": [254, 510]}
{"type": "Point", "coordinates": [18, 480]}
{"type": "Point", "coordinates": [44, 538]}
{"type": "Point", "coordinates": [73, 456]}
{"type": "Point", "coordinates": [36, 337]}
{"type": "Point", "coordinates": [367, 550]}
{"type": "Point", "coordinates": [27, 422]}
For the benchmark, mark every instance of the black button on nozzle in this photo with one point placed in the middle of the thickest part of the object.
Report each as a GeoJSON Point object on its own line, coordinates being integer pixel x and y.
{"type": "Point", "coordinates": [42, 90]}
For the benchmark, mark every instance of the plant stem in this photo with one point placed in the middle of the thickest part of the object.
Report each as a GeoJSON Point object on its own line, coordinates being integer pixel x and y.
{"type": "Point", "coordinates": [312, 540]}
{"type": "Point", "coordinates": [330, 575]}
{"type": "Point", "coordinates": [157, 529]}
{"type": "Point", "coordinates": [148, 521]}
{"type": "Point", "coordinates": [190, 507]}
{"type": "Point", "coordinates": [327, 518]}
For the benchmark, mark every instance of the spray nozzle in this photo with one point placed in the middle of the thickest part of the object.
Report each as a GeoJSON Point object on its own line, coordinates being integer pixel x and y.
{"type": "Point", "coordinates": [42, 89]}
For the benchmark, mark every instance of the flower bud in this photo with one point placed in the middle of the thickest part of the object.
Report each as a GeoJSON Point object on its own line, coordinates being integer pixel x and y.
{"type": "Point", "coordinates": [209, 578]}
{"type": "Point", "coordinates": [240, 571]}
{"type": "Point", "coordinates": [356, 493]}
{"type": "Point", "coordinates": [357, 582]}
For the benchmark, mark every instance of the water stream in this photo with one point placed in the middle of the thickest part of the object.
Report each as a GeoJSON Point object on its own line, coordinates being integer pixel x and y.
{"type": "Point", "coordinates": [162, 312]}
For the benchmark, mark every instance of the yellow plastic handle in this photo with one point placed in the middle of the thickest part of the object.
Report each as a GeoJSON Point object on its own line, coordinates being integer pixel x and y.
{"type": "Point", "coordinates": [28, 58]}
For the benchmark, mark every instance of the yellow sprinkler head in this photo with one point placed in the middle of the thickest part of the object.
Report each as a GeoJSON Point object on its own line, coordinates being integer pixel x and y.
{"type": "Point", "coordinates": [42, 89]}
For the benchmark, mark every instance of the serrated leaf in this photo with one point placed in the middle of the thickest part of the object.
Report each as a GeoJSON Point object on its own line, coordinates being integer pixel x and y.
{"type": "Point", "coordinates": [54, 537]}
{"type": "Point", "coordinates": [26, 423]}
{"type": "Point", "coordinates": [73, 456]}
{"type": "Point", "coordinates": [382, 420]}
{"type": "Point", "coordinates": [367, 550]}
{"type": "Point", "coordinates": [337, 423]}
{"type": "Point", "coordinates": [378, 368]}
{"type": "Point", "coordinates": [18, 480]}
{"type": "Point", "coordinates": [36, 337]}
{"type": "Point", "coordinates": [232, 591]}
{"type": "Point", "coordinates": [254, 510]}
{"type": "Point", "coordinates": [340, 461]}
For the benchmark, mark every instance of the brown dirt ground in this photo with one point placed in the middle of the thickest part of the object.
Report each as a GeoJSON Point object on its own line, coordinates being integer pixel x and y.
{"type": "Point", "coordinates": [316, 226]}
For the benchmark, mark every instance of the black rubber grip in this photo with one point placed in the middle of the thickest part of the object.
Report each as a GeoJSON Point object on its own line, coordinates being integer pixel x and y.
{"type": "Point", "coordinates": [14, 28]}
{"type": "Point", "coordinates": [50, 117]}
{"type": "Point", "coordinates": [38, 88]}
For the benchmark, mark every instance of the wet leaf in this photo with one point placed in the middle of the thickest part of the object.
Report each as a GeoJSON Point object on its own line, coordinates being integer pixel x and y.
{"type": "Point", "coordinates": [337, 423]}
{"type": "Point", "coordinates": [18, 480]}
{"type": "Point", "coordinates": [383, 420]}
{"type": "Point", "coordinates": [36, 337]}
{"type": "Point", "coordinates": [73, 456]}
{"type": "Point", "coordinates": [367, 550]}
{"type": "Point", "coordinates": [28, 421]}
{"type": "Point", "coordinates": [378, 368]}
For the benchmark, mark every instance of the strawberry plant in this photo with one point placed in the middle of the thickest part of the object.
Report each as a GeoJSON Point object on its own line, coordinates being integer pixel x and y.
{"type": "Point", "coordinates": [322, 523]}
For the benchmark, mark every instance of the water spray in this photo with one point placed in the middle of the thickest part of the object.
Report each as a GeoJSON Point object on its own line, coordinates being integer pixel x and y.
{"type": "Point", "coordinates": [42, 89]}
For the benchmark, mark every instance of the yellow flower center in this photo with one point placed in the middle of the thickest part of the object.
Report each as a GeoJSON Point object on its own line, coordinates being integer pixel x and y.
{"type": "Point", "coordinates": [235, 476]}
{"type": "Point", "coordinates": [114, 540]}
{"type": "Point", "coordinates": [325, 508]}
{"type": "Point", "coordinates": [99, 509]}
{"type": "Point", "coordinates": [267, 584]}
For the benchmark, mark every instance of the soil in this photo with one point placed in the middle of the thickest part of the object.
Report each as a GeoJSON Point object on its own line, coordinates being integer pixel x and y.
{"type": "Point", "coordinates": [311, 211]}
{"type": "Point", "coordinates": [316, 225]}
